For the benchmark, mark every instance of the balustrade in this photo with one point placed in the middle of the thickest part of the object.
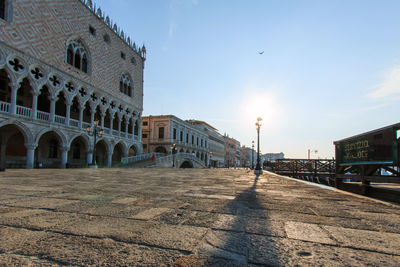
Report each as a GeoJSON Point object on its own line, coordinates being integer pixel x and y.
{"type": "Point", "coordinates": [107, 130]}
{"type": "Point", "coordinates": [59, 119]}
{"type": "Point", "coordinates": [74, 123]}
{"type": "Point", "coordinates": [44, 116]}
{"type": "Point", "coordinates": [4, 106]}
{"type": "Point", "coordinates": [24, 111]}
{"type": "Point", "coordinates": [85, 125]}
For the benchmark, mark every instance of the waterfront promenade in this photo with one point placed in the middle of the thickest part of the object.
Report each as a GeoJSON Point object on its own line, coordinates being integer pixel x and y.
{"type": "Point", "coordinates": [188, 217]}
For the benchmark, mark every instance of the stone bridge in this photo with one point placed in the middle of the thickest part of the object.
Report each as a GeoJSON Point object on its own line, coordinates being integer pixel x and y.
{"type": "Point", "coordinates": [179, 160]}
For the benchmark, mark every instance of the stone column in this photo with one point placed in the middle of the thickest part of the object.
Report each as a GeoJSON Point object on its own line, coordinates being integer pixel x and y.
{"type": "Point", "coordinates": [81, 108]}
{"type": "Point", "coordinates": [140, 129]}
{"type": "Point", "coordinates": [64, 156]}
{"type": "Point", "coordinates": [133, 128]}
{"type": "Point", "coordinates": [111, 123]}
{"type": "Point", "coordinates": [119, 124]}
{"type": "Point", "coordinates": [52, 107]}
{"type": "Point", "coordinates": [103, 115]}
{"type": "Point", "coordinates": [34, 104]}
{"type": "Point", "coordinates": [126, 128]}
{"type": "Point", "coordinates": [67, 113]}
{"type": "Point", "coordinates": [92, 112]}
{"type": "Point", "coordinates": [89, 157]}
{"type": "Point", "coordinates": [13, 106]}
{"type": "Point", "coordinates": [109, 159]}
{"type": "Point", "coordinates": [30, 155]}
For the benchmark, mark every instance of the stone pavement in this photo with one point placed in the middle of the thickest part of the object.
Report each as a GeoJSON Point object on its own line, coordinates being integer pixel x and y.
{"type": "Point", "coordinates": [188, 217]}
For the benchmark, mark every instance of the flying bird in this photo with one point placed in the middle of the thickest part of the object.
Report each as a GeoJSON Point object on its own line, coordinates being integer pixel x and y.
{"type": "Point", "coordinates": [261, 52]}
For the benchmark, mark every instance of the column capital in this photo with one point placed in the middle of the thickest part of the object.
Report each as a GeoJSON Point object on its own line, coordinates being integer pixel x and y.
{"type": "Point", "coordinates": [64, 148]}
{"type": "Point", "coordinates": [31, 146]}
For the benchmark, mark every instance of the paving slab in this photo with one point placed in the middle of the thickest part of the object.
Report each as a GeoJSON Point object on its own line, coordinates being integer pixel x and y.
{"type": "Point", "coordinates": [190, 217]}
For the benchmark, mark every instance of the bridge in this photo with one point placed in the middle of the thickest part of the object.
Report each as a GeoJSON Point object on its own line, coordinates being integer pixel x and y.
{"type": "Point", "coordinates": [383, 182]}
{"type": "Point", "coordinates": [160, 160]}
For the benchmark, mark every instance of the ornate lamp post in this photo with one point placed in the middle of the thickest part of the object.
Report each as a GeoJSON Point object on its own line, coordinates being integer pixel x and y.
{"type": "Point", "coordinates": [95, 131]}
{"type": "Point", "coordinates": [173, 151]}
{"type": "Point", "coordinates": [258, 169]}
{"type": "Point", "coordinates": [252, 154]}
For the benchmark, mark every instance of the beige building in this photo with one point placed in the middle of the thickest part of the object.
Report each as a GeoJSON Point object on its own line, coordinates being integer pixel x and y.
{"type": "Point", "coordinates": [64, 65]}
{"type": "Point", "coordinates": [232, 152]}
{"type": "Point", "coordinates": [161, 133]}
{"type": "Point", "coordinates": [216, 143]}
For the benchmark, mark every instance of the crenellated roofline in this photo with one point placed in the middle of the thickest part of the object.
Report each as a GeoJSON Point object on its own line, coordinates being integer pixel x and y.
{"type": "Point", "coordinates": [141, 51]}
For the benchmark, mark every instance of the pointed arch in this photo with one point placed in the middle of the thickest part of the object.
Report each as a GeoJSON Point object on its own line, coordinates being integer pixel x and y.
{"type": "Point", "coordinates": [77, 54]}
{"type": "Point", "coordinates": [26, 132]}
{"type": "Point", "coordinates": [60, 134]}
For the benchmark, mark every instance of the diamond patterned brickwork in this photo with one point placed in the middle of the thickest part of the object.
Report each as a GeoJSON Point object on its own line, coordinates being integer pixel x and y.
{"type": "Point", "coordinates": [41, 29]}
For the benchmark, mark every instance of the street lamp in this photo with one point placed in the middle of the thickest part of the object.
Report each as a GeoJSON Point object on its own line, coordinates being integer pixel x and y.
{"type": "Point", "coordinates": [252, 154]}
{"type": "Point", "coordinates": [258, 169]}
{"type": "Point", "coordinates": [311, 151]}
{"type": "Point", "coordinates": [95, 132]}
{"type": "Point", "coordinates": [173, 151]}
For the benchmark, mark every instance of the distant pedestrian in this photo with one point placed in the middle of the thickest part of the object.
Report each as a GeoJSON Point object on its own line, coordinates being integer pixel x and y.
{"type": "Point", "coordinates": [153, 157]}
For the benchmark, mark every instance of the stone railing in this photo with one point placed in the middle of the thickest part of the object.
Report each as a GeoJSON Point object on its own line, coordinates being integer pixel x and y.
{"type": "Point", "coordinates": [133, 159]}
{"type": "Point", "coordinates": [4, 107]}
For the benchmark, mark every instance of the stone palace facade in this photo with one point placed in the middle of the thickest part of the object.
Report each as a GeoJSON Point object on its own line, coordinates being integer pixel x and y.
{"type": "Point", "coordinates": [64, 65]}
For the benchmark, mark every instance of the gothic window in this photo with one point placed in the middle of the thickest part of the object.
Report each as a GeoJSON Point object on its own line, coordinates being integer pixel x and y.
{"type": "Point", "coordinates": [77, 55]}
{"type": "Point", "coordinates": [6, 10]}
{"type": "Point", "coordinates": [106, 38]}
{"type": "Point", "coordinates": [125, 85]}
{"type": "Point", "coordinates": [53, 145]}
{"type": "Point", "coordinates": [3, 9]}
{"type": "Point", "coordinates": [92, 30]}
{"type": "Point", "coordinates": [133, 61]}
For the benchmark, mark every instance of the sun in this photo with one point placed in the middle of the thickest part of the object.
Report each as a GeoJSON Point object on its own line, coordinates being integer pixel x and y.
{"type": "Point", "coordinates": [260, 104]}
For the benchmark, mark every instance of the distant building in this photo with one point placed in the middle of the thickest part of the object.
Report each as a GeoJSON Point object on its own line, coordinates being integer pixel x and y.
{"type": "Point", "coordinates": [232, 152]}
{"type": "Point", "coordinates": [245, 156]}
{"type": "Point", "coordinates": [216, 143]}
{"type": "Point", "coordinates": [63, 66]}
{"type": "Point", "coordinates": [161, 133]}
{"type": "Point", "coordinates": [273, 156]}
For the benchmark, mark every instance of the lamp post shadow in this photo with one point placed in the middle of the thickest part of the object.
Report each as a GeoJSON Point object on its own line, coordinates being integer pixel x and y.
{"type": "Point", "coordinates": [233, 239]}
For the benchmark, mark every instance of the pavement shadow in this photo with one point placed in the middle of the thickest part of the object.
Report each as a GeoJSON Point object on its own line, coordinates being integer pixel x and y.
{"type": "Point", "coordinates": [241, 237]}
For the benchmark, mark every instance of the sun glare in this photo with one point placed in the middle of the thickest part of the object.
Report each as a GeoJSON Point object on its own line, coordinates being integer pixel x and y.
{"type": "Point", "coordinates": [262, 105]}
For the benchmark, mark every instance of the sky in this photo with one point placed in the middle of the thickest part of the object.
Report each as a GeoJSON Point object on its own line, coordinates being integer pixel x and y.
{"type": "Point", "coordinates": [330, 69]}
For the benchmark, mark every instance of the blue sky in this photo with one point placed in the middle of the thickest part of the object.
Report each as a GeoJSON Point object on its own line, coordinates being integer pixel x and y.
{"type": "Point", "coordinates": [330, 69]}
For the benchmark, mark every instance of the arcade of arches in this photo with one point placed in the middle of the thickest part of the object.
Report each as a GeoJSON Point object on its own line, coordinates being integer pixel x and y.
{"type": "Point", "coordinates": [53, 150]}
{"type": "Point", "coordinates": [44, 127]}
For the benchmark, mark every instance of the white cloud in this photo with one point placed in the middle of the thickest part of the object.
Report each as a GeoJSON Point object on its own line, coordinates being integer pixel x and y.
{"type": "Point", "coordinates": [390, 85]}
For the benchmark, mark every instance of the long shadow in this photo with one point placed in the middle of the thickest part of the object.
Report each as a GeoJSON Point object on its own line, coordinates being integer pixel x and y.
{"type": "Point", "coordinates": [243, 242]}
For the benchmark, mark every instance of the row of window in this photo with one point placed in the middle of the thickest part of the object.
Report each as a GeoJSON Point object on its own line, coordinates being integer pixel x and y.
{"type": "Point", "coordinates": [200, 142]}
{"type": "Point", "coordinates": [78, 57]}
{"type": "Point", "coordinates": [107, 39]}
